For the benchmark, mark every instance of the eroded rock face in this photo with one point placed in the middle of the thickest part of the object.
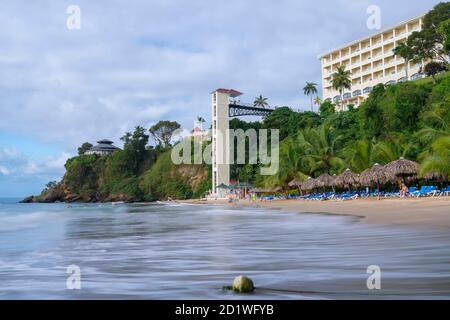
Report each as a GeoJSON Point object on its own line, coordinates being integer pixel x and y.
{"type": "Point", "coordinates": [86, 197]}
{"type": "Point", "coordinates": [72, 197]}
{"type": "Point", "coordinates": [120, 197]}
{"type": "Point", "coordinates": [243, 284]}
{"type": "Point", "coordinates": [53, 195]}
{"type": "Point", "coordinates": [29, 199]}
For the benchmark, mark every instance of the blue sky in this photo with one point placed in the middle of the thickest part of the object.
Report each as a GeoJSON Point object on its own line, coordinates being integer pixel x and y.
{"type": "Point", "coordinates": [136, 62]}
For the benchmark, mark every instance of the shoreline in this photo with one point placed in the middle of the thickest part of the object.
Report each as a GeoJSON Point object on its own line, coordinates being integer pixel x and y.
{"type": "Point", "coordinates": [422, 212]}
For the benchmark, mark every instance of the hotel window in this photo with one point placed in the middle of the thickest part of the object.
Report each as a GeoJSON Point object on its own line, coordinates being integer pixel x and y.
{"type": "Point", "coordinates": [347, 95]}
{"type": "Point", "coordinates": [357, 93]}
{"type": "Point", "coordinates": [367, 89]}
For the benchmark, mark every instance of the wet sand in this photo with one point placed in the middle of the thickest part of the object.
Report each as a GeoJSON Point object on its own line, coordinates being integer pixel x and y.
{"type": "Point", "coordinates": [423, 212]}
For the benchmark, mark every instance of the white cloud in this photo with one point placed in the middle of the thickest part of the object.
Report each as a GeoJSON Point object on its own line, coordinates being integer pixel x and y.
{"type": "Point", "coordinates": [19, 166]}
{"type": "Point", "coordinates": [4, 171]}
{"type": "Point", "coordinates": [137, 62]}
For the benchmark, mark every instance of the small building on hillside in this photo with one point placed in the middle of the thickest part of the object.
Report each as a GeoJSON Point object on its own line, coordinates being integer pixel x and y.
{"type": "Point", "coordinates": [197, 132]}
{"type": "Point", "coordinates": [103, 148]}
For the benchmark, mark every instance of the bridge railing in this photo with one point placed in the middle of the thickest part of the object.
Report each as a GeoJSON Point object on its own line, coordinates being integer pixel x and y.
{"type": "Point", "coordinates": [248, 105]}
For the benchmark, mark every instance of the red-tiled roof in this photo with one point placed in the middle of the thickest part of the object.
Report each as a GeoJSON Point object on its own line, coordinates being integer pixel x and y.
{"type": "Point", "coordinates": [231, 92]}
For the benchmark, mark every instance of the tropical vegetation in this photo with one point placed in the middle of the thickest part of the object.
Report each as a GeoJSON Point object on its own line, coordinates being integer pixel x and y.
{"type": "Point", "coordinates": [431, 45]}
{"type": "Point", "coordinates": [409, 119]}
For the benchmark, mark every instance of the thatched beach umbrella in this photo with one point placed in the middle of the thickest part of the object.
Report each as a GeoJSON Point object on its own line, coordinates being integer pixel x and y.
{"type": "Point", "coordinates": [309, 184]}
{"type": "Point", "coordinates": [325, 180]}
{"type": "Point", "coordinates": [377, 175]}
{"type": "Point", "coordinates": [347, 179]}
{"type": "Point", "coordinates": [296, 183]}
{"type": "Point", "coordinates": [402, 168]}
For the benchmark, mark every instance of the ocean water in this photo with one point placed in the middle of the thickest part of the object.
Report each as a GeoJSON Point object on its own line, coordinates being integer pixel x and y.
{"type": "Point", "coordinates": [177, 251]}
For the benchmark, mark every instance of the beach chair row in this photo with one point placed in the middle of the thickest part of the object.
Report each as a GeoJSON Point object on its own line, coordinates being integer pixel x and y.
{"type": "Point", "coordinates": [424, 191]}
{"type": "Point", "coordinates": [428, 191]}
{"type": "Point", "coordinates": [331, 196]}
{"type": "Point", "coordinates": [413, 192]}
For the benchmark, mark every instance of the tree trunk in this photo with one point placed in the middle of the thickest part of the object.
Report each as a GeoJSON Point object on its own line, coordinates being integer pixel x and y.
{"type": "Point", "coordinates": [312, 107]}
{"type": "Point", "coordinates": [406, 69]}
{"type": "Point", "coordinates": [378, 189]}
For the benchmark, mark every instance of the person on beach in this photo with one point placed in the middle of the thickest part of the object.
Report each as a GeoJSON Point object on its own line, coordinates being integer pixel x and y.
{"type": "Point", "coordinates": [403, 191]}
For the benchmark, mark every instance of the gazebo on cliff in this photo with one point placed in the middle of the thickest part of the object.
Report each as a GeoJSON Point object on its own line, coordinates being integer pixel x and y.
{"type": "Point", "coordinates": [103, 148]}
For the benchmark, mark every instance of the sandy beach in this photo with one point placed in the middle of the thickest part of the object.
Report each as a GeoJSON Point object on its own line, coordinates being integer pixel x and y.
{"type": "Point", "coordinates": [424, 212]}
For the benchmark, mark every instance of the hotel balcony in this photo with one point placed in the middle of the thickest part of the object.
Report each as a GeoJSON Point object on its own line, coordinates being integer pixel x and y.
{"type": "Point", "coordinates": [357, 93]}
{"type": "Point", "coordinates": [367, 90]}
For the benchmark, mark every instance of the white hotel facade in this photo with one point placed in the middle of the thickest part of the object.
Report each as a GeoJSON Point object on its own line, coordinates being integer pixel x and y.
{"type": "Point", "coordinates": [371, 61]}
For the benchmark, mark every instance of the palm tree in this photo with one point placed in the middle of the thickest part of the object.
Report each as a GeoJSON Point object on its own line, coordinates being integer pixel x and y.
{"type": "Point", "coordinates": [260, 102]}
{"type": "Point", "coordinates": [310, 153]}
{"type": "Point", "coordinates": [360, 155]}
{"type": "Point", "coordinates": [435, 125]}
{"type": "Point", "coordinates": [310, 89]}
{"type": "Point", "coordinates": [341, 80]}
{"type": "Point", "coordinates": [320, 151]}
{"type": "Point", "coordinates": [438, 159]}
{"type": "Point", "coordinates": [318, 101]}
{"type": "Point", "coordinates": [385, 152]}
{"type": "Point", "coordinates": [404, 51]}
{"type": "Point", "coordinates": [201, 121]}
{"type": "Point", "coordinates": [289, 169]}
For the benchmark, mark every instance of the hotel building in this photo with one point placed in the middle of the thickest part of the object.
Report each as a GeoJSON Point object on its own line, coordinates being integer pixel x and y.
{"type": "Point", "coordinates": [371, 61]}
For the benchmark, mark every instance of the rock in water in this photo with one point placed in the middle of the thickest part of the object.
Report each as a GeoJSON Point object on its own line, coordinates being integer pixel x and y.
{"type": "Point", "coordinates": [242, 284]}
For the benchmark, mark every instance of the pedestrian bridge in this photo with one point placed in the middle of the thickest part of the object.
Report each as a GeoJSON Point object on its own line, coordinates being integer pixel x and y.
{"type": "Point", "coordinates": [238, 109]}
